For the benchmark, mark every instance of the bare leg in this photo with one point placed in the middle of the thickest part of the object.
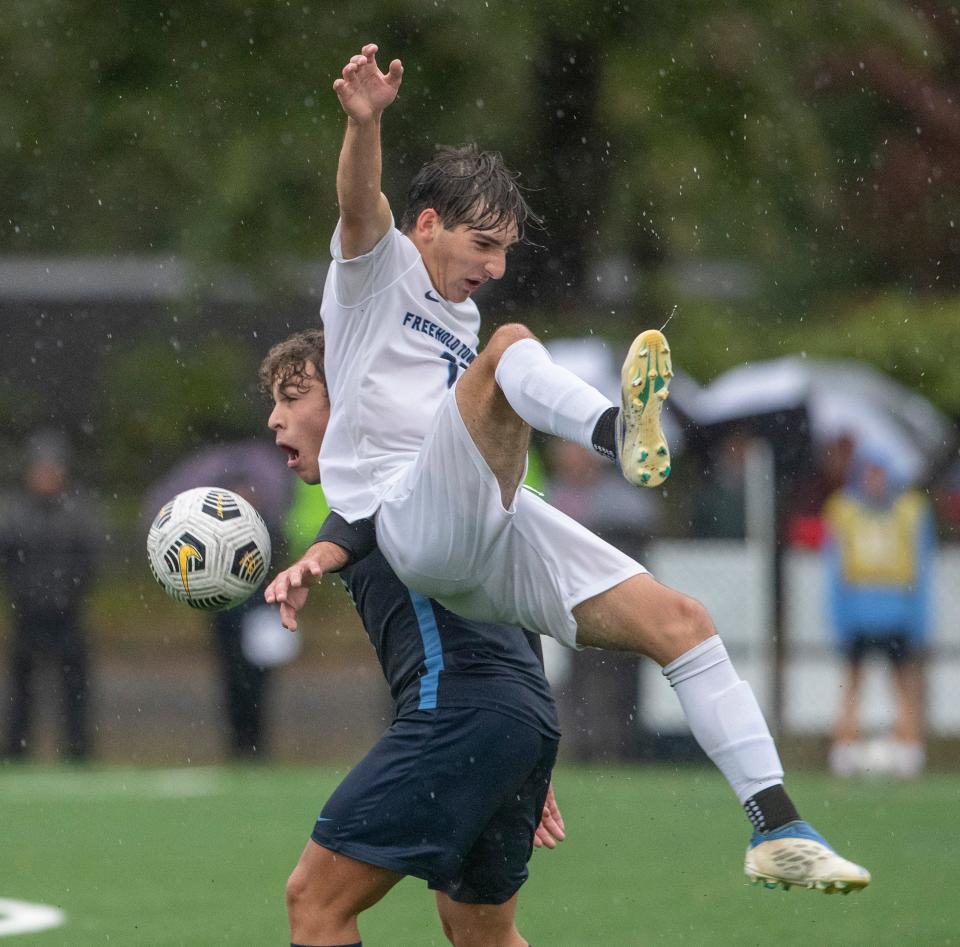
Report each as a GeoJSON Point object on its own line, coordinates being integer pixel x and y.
{"type": "Point", "coordinates": [847, 729]}
{"type": "Point", "coordinates": [908, 687]}
{"type": "Point", "coordinates": [327, 891]}
{"type": "Point", "coordinates": [514, 384]}
{"type": "Point", "coordinates": [643, 616]}
{"type": "Point", "coordinates": [500, 434]}
{"type": "Point", "coordinates": [479, 925]}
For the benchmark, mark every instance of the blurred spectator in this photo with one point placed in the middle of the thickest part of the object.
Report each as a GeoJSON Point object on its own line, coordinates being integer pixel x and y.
{"type": "Point", "coordinates": [603, 685]}
{"type": "Point", "coordinates": [719, 507]}
{"type": "Point", "coordinates": [48, 544]}
{"type": "Point", "coordinates": [947, 500]}
{"type": "Point", "coordinates": [805, 524]}
{"type": "Point", "coordinates": [879, 555]}
{"type": "Point", "coordinates": [249, 641]}
{"type": "Point", "coordinates": [244, 685]}
{"type": "Point", "coordinates": [591, 490]}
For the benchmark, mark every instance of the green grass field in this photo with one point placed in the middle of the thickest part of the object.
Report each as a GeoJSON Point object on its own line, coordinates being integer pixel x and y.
{"type": "Point", "coordinates": [653, 856]}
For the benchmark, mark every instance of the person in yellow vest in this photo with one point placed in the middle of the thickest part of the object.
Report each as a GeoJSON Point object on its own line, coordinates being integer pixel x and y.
{"type": "Point", "coordinates": [881, 544]}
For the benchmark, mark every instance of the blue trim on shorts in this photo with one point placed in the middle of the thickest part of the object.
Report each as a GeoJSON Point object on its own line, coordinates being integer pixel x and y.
{"type": "Point", "coordinates": [432, 650]}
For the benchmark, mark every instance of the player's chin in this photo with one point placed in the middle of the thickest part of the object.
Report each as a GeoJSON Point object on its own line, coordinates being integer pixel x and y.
{"type": "Point", "coordinates": [308, 472]}
{"type": "Point", "coordinates": [464, 291]}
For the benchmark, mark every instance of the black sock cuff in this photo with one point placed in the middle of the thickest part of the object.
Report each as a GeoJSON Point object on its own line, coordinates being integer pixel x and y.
{"type": "Point", "coordinates": [357, 944]}
{"type": "Point", "coordinates": [770, 808]}
{"type": "Point", "coordinates": [604, 437]}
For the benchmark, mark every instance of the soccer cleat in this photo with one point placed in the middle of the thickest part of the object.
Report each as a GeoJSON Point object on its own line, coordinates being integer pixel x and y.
{"type": "Point", "coordinates": [642, 450]}
{"type": "Point", "coordinates": [796, 854]}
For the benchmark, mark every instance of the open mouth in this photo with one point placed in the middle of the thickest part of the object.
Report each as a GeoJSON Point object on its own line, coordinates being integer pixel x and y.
{"type": "Point", "coordinates": [293, 455]}
{"type": "Point", "coordinates": [473, 284]}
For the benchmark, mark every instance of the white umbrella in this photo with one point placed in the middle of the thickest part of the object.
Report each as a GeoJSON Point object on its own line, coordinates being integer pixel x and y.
{"type": "Point", "coordinates": [840, 397]}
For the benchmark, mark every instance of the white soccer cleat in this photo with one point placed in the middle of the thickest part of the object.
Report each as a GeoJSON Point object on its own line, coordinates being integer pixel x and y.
{"type": "Point", "coordinates": [642, 451]}
{"type": "Point", "coordinates": [796, 854]}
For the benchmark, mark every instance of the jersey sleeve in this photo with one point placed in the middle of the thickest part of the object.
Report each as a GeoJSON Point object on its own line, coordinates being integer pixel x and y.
{"type": "Point", "coordinates": [359, 278]}
{"type": "Point", "coordinates": [358, 539]}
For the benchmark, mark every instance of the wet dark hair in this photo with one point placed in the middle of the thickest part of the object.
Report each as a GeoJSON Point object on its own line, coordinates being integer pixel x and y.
{"type": "Point", "coordinates": [287, 361]}
{"type": "Point", "coordinates": [467, 186]}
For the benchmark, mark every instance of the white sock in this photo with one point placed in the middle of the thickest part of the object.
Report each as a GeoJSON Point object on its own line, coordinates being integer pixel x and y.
{"type": "Point", "coordinates": [909, 758]}
{"type": "Point", "coordinates": [846, 759]}
{"type": "Point", "coordinates": [725, 718]}
{"type": "Point", "coordinates": [548, 396]}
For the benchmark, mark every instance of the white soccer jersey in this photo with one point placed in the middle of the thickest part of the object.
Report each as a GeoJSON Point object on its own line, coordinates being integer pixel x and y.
{"type": "Point", "coordinates": [393, 349]}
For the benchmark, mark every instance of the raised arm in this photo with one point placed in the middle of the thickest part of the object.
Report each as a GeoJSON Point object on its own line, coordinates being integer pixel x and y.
{"type": "Point", "coordinates": [364, 92]}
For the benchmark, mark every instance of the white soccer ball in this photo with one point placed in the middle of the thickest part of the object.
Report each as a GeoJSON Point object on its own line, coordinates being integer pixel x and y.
{"type": "Point", "coordinates": [209, 548]}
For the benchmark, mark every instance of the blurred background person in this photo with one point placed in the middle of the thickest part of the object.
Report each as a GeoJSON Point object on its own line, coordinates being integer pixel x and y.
{"type": "Point", "coordinates": [589, 489]}
{"type": "Point", "coordinates": [244, 683]}
{"type": "Point", "coordinates": [603, 686]}
{"type": "Point", "coordinates": [598, 690]}
{"type": "Point", "coordinates": [48, 553]}
{"type": "Point", "coordinates": [719, 505]}
{"type": "Point", "coordinates": [249, 642]}
{"type": "Point", "coordinates": [880, 550]}
{"type": "Point", "coordinates": [946, 500]}
{"type": "Point", "coordinates": [806, 528]}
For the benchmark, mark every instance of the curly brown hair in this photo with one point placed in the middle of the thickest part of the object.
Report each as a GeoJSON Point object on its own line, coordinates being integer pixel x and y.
{"type": "Point", "coordinates": [287, 361]}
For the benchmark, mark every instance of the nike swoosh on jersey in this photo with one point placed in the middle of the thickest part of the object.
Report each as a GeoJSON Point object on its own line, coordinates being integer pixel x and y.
{"type": "Point", "coordinates": [429, 295]}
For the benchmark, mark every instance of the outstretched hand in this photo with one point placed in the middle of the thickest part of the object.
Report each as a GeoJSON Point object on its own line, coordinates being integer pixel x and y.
{"type": "Point", "coordinates": [365, 91]}
{"type": "Point", "coordinates": [290, 588]}
{"type": "Point", "coordinates": [550, 831]}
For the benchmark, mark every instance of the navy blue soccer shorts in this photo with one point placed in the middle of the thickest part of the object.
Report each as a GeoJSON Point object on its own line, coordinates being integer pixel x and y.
{"type": "Point", "coordinates": [453, 796]}
{"type": "Point", "coordinates": [898, 646]}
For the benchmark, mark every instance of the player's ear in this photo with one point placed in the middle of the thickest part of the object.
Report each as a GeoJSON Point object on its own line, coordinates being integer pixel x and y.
{"type": "Point", "coordinates": [427, 224]}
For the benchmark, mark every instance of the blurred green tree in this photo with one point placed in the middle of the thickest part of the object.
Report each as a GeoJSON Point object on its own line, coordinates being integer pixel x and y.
{"type": "Point", "coordinates": [162, 401]}
{"type": "Point", "coordinates": [757, 159]}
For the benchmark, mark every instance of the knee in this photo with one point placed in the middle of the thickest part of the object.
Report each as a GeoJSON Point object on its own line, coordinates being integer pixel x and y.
{"type": "Point", "coordinates": [695, 618]}
{"type": "Point", "coordinates": [686, 624]}
{"type": "Point", "coordinates": [483, 370]}
{"type": "Point", "coordinates": [305, 896]}
{"type": "Point", "coordinates": [297, 892]}
{"type": "Point", "coordinates": [504, 337]}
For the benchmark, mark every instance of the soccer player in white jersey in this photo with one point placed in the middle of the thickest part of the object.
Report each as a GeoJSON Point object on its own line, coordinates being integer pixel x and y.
{"type": "Point", "coordinates": [429, 439]}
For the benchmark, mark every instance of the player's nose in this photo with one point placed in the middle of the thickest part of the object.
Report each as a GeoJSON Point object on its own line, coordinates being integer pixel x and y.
{"type": "Point", "coordinates": [496, 266]}
{"type": "Point", "coordinates": [274, 422]}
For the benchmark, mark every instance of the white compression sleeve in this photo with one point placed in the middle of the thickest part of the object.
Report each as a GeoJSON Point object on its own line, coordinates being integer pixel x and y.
{"type": "Point", "coordinates": [546, 395]}
{"type": "Point", "coordinates": [725, 718]}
